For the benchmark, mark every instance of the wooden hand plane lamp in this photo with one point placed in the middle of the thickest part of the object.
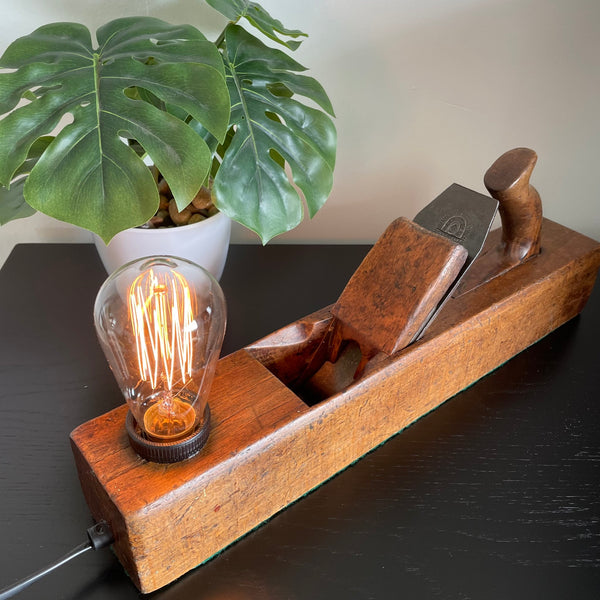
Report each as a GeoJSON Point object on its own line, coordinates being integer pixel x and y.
{"type": "Point", "coordinates": [303, 403]}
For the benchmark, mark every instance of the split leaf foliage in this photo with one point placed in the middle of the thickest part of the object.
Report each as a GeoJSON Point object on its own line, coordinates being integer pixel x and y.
{"type": "Point", "coordinates": [227, 110]}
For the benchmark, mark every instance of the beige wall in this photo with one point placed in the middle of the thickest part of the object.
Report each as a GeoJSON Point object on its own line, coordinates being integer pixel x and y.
{"type": "Point", "coordinates": [426, 93]}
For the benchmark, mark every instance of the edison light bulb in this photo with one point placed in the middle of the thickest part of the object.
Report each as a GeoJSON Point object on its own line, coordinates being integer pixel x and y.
{"type": "Point", "coordinates": [160, 322]}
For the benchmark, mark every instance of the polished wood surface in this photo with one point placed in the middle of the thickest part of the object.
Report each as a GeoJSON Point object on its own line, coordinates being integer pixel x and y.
{"type": "Point", "coordinates": [493, 495]}
{"type": "Point", "coordinates": [520, 209]}
{"type": "Point", "coordinates": [520, 205]}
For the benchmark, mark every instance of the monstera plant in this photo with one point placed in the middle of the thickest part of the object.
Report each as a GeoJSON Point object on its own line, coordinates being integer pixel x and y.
{"type": "Point", "coordinates": [81, 120]}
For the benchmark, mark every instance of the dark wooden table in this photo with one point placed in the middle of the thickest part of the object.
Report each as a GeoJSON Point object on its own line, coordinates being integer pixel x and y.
{"type": "Point", "coordinates": [496, 495]}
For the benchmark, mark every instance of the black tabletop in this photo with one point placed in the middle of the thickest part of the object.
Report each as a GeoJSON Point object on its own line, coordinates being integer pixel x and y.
{"type": "Point", "coordinates": [495, 495]}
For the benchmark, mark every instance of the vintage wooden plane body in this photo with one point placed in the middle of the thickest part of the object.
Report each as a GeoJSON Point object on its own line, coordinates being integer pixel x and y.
{"type": "Point", "coordinates": [273, 439]}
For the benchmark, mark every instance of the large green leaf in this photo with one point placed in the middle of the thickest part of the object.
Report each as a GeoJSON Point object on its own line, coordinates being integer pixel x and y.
{"type": "Point", "coordinates": [88, 175]}
{"type": "Point", "coordinates": [12, 201]}
{"type": "Point", "coordinates": [257, 16]}
{"type": "Point", "coordinates": [251, 186]}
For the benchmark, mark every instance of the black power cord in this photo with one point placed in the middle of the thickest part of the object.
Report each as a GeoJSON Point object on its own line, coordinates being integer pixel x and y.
{"type": "Point", "coordinates": [99, 536]}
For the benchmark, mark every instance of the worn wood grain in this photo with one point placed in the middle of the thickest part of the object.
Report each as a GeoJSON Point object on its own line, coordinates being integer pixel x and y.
{"type": "Point", "coordinates": [153, 506]}
{"type": "Point", "coordinates": [397, 286]}
{"type": "Point", "coordinates": [504, 476]}
{"type": "Point", "coordinates": [269, 448]}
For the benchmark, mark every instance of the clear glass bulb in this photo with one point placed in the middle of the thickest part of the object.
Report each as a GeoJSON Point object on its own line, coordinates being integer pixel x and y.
{"type": "Point", "coordinates": [161, 322]}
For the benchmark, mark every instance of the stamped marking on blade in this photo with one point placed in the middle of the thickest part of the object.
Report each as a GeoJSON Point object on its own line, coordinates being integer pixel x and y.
{"type": "Point", "coordinates": [464, 217]}
{"type": "Point", "coordinates": [461, 215]}
{"type": "Point", "coordinates": [455, 227]}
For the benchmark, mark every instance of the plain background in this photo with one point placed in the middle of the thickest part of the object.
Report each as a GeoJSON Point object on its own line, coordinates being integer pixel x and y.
{"type": "Point", "coordinates": [426, 92]}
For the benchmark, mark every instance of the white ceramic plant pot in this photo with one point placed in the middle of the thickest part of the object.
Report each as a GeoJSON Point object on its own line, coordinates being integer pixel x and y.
{"type": "Point", "coordinates": [206, 243]}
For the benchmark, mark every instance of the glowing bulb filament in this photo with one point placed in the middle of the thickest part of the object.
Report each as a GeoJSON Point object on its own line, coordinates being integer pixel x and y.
{"type": "Point", "coordinates": [162, 318]}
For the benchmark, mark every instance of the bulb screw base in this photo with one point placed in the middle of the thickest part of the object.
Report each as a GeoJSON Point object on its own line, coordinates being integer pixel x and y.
{"type": "Point", "coordinates": [168, 452]}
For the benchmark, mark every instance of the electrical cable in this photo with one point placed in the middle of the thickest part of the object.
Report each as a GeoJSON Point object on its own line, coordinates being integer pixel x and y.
{"type": "Point", "coordinates": [99, 536]}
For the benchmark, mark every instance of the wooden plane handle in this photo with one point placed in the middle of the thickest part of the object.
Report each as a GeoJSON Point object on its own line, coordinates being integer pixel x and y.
{"type": "Point", "coordinates": [520, 207]}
